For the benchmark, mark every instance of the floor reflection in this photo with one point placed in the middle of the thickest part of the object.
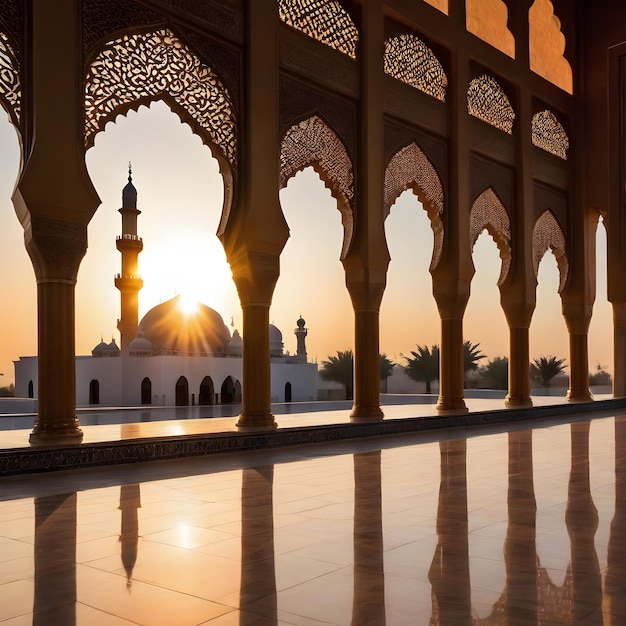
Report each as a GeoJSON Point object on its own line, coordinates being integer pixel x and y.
{"type": "Point", "coordinates": [234, 515]}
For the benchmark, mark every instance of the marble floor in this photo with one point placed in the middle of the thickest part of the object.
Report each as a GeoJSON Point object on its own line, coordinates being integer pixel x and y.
{"type": "Point", "coordinates": [508, 525]}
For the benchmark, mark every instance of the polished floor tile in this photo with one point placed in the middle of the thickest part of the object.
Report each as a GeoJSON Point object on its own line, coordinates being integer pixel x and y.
{"type": "Point", "coordinates": [522, 525]}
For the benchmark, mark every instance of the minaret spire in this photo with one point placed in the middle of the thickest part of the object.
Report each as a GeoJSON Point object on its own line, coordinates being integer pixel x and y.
{"type": "Point", "coordinates": [301, 332]}
{"type": "Point", "coordinates": [129, 281]}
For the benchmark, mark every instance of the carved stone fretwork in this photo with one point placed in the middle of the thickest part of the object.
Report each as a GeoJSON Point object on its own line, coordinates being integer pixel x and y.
{"type": "Point", "coordinates": [12, 21]}
{"type": "Point", "coordinates": [299, 101]}
{"type": "Point", "coordinates": [487, 102]}
{"type": "Point", "coordinates": [312, 143]}
{"type": "Point", "coordinates": [10, 90]}
{"type": "Point", "coordinates": [410, 60]}
{"type": "Point", "coordinates": [549, 135]}
{"type": "Point", "coordinates": [226, 20]}
{"type": "Point", "coordinates": [547, 234]}
{"type": "Point", "coordinates": [324, 20]}
{"type": "Point", "coordinates": [102, 18]}
{"type": "Point", "coordinates": [489, 213]}
{"type": "Point", "coordinates": [135, 69]}
{"type": "Point", "coordinates": [410, 168]}
{"type": "Point", "coordinates": [339, 73]}
{"type": "Point", "coordinates": [224, 60]}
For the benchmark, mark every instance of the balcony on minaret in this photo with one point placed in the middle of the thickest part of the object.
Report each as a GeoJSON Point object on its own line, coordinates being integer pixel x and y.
{"type": "Point", "coordinates": [128, 282]}
{"type": "Point", "coordinates": [129, 242]}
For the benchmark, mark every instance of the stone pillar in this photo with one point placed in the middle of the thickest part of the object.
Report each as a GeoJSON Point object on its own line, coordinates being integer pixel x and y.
{"type": "Point", "coordinates": [256, 231]}
{"type": "Point", "coordinates": [54, 200]}
{"type": "Point", "coordinates": [578, 318]}
{"type": "Point", "coordinates": [619, 349]}
{"type": "Point", "coordinates": [368, 258]}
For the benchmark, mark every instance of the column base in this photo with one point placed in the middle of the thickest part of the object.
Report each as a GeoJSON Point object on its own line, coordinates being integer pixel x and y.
{"type": "Point", "coordinates": [517, 402]}
{"type": "Point", "coordinates": [444, 406]}
{"type": "Point", "coordinates": [258, 422]}
{"type": "Point", "coordinates": [68, 433]}
{"type": "Point", "coordinates": [579, 396]}
{"type": "Point", "coordinates": [366, 414]}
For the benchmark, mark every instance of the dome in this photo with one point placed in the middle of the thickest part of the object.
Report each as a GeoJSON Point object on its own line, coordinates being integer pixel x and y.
{"type": "Point", "coordinates": [101, 349]}
{"type": "Point", "coordinates": [235, 345]}
{"type": "Point", "coordinates": [169, 329]}
{"type": "Point", "coordinates": [300, 323]}
{"type": "Point", "coordinates": [276, 341]}
{"type": "Point", "coordinates": [113, 348]}
{"type": "Point", "coordinates": [140, 344]}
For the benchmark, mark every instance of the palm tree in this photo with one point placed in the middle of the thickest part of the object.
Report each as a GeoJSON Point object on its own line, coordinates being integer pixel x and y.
{"type": "Point", "coordinates": [471, 356]}
{"type": "Point", "coordinates": [423, 366]}
{"type": "Point", "coordinates": [340, 369]}
{"type": "Point", "coordinates": [546, 368]}
{"type": "Point", "coordinates": [496, 373]}
{"type": "Point", "coordinates": [386, 369]}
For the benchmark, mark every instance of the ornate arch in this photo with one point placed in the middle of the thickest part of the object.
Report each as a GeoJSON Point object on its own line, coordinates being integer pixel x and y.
{"type": "Point", "coordinates": [547, 234]}
{"type": "Point", "coordinates": [324, 20]}
{"type": "Point", "coordinates": [549, 135]}
{"type": "Point", "coordinates": [489, 213]}
{"type": "Point", "coordinates": [487, 101]}
{"type": "Point", "coordinates": [410, 168]}
{"type": "Point", "coordinates": [488, 19]}
{"type": "Point", "coordinates": [312, 142]}
{"type": "Point", "coordinates": [139, 68]}
{"type": "Point", "coordinates": [10, 87]}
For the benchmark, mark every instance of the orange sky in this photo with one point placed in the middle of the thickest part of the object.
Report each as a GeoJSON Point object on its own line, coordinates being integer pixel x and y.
{"type": "Point", "coordinates": [180, 195]}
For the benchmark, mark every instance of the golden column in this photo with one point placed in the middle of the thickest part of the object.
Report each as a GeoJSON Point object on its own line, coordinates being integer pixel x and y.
{"type": "Point", "coordinates": [54, 200]}
{"type": "Point", "coordinates": [128, 281]}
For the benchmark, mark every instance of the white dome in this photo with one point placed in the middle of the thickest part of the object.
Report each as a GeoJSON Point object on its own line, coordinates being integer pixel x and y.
{"type": "Point", "coordinates": [235, 345]}
{"type": "Point", "coordinates": [276, 341]}
{"type": "Point", "coordinates": [140, 344]}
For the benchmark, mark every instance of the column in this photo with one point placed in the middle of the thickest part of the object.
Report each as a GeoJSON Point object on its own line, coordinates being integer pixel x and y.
{"type": "Point", "coordinates": [368, 258]}
{"type": "Point", "coordinates": [54, 200]}
{"type": "Point", "coordinates": [619, 349]}
{"type": "Point", "coordinates": [578, 318]}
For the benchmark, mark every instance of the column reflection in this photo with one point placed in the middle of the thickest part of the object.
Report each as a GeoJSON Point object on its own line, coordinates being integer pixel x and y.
{"type": "Point", "coordinates": [258, 570]}
{"type": "Point", "coordinates": [55, 559]}
{"type": "Point", "coordinates": [581, 519]}
{"type": "Point", "coordinates": [130, 502]}
{"type": "Point", "coordinates": [369, 577]}
{"type": "Point", "coordinates": [615, 583]}
{"type": "Point", "coordinates": [449, 572]}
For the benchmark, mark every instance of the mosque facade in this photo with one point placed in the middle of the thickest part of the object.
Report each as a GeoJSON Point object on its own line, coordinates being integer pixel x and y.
{"type": "Point", "coordinates": [171, 356]}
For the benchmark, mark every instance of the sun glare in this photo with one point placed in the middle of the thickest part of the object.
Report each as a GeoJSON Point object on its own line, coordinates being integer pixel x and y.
{"type": "Point", "coordinates": [188, 304]}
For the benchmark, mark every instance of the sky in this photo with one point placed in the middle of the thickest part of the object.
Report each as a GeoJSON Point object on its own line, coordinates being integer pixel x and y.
{"type": "Point", "coordinates": [180, 197]}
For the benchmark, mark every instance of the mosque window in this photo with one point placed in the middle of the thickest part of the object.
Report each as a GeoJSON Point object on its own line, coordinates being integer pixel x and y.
{"type": "Point", "coordinates": [547, 45]}
{"type": "Point", "coordinates": [487, 101]}
{"type": "Point", "coordinates": [547, 235]}
{"type": "Point", "coordinates": [549, 135]}
{"type": "Point", "coordinates": [140, 67]}
{"type": "Point", "coordinates": [410, 168]}
{"type": "Point", "coordinates": [10, 88]}
{"type": "Point", "coordinates": [488, 20]}
{"type": "Point", "coordinates": [410, 60]}
{"type": "Point", "coordinates": [442, 5]}
{"type": "Point", "coordinates": [324, 20]}
{"type": "Point", "coordinates": [312, 143]}
{"type": "Point", "coordinates": [489, 213]}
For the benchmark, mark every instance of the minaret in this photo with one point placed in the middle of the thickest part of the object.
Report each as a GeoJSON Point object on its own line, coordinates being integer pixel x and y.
{"type": "Point", "coordinates": [129, 282]}
{"type": "Point", "coordinates": [301, 332]}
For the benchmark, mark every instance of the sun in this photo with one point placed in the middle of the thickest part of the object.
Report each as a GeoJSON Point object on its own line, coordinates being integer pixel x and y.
{"type": "Point", "coordinates": [188, 304]}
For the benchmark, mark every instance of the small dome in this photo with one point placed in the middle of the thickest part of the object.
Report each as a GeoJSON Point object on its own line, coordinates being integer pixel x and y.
{"type": "Point", "coordinates": [276, 341]}
{"type": "Point", "coordinates": [235, 345]}
{"type": "Point", "coordinates": [101, 349]}
{"type": "Point", "coordinates": [169, 329]}
{"type": "Point", "coordinates": [113, 348]}
{"type": "Point", "coordinates": [300, 323]}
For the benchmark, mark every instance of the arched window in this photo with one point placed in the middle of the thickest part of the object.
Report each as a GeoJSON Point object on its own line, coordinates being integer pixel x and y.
{"type": "Point", "coordinates": [547, 235]}
{"type": "Point", "coordinates": [287, 392]}
{"type": "Point", "coordinates": [410, 60]}
{"type": "Point", "coordinates": [207, 392]}
{"type": "Point", "coordinates": [227, 392]}
{"type": "Point", "coordinates": [487, 101]}
{"type": "Point", "coordinates": [324, 20]}
{"type": "Point", "coordinates": [547, 45]}
{"type": "Point", "coordinates": [182, 392]}
{"type": "Point", "coordinates": [549, 135]}
{"type": "Point", "coordinates": [146, 391]}
{"type": "Point", "coordinates": [238, 391]}
{"type": "Point", "coordinates": [31, 390]}
{"type": "Point", "coordinates": [94, 392]}
{"type": "Point", "coordinates": [488, 19]}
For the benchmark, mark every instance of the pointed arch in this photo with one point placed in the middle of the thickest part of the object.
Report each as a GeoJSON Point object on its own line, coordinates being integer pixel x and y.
{"type": "Point", "coordinates": [146, 391]}
{"type": "Point", "coordinates": [549, 135]}
{"type": "Point", "coordinates": [10, 87]}
{"type": "Point", "coordinates": [547, 234]}
{"type": "Point", "coordinates": [547, 46]}
{"type": "Point", "coordinates": [410, 60]}
{"type": "Point", "coordinates": [312, 142]}
{"type": "Point", "coordinates": [489, 213]}
{"type": "Point", "coordinates": [324, 20]}
{"type": "Point", "coordinates": [227, 391]}
{"type": "Point", "coordinates": [410, 168]}
{"type": "Point", "coordinates": [206, 394]}
{"type": "Point", "coordinates": [488, 19]}
{"type": "Point", "coordinates": [181, 392]}
{"type": "Point", "coordinates": [487, 101]}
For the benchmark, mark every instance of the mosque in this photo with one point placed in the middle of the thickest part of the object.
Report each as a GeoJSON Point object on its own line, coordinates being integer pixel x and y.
{"type": "Point", "coordinates": [172, 356]}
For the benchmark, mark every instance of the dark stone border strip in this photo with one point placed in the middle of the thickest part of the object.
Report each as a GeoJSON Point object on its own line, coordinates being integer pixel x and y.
{"type": "Point", "coordinates": [19, 461]}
